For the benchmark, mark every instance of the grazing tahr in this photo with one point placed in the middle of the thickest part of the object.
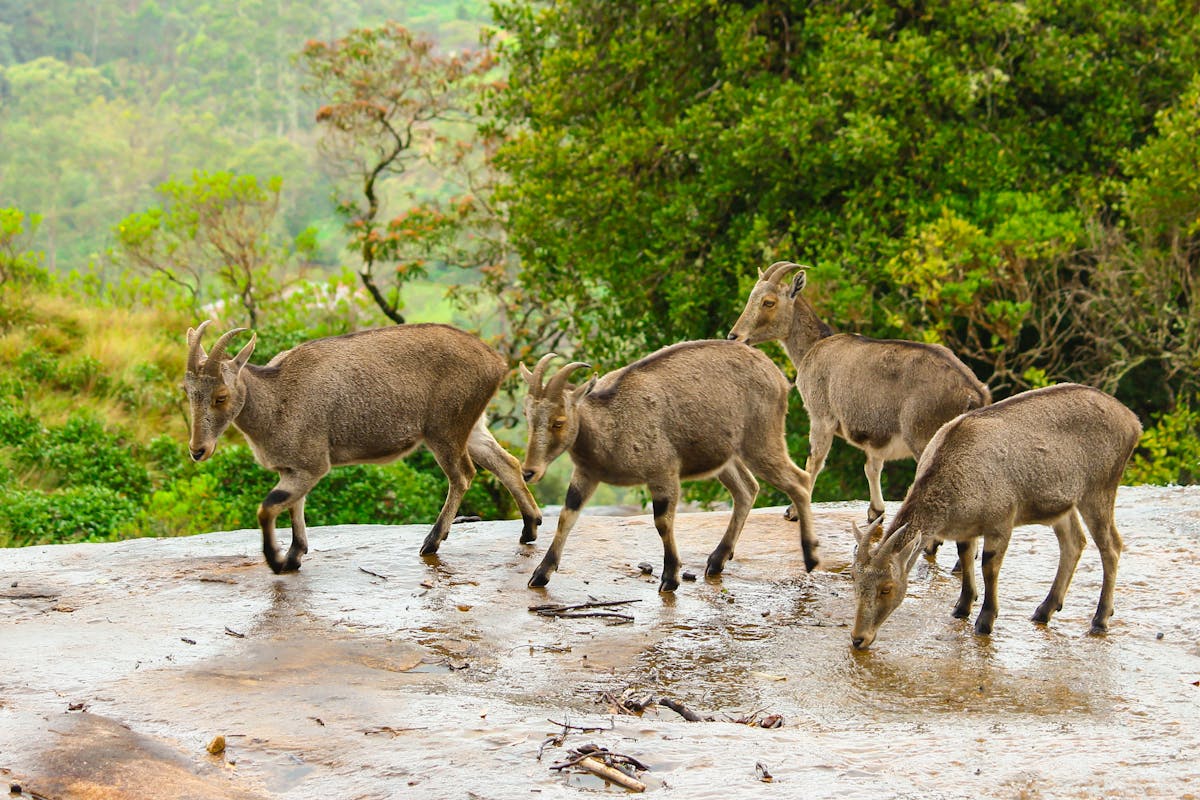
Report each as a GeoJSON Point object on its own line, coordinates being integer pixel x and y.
{"type": "Point", "coordinates": [692, 410]}
{"type": "Point", "coordinates": [367, 397]}
{"type": "Point", "coordinates": [1045, 456]}
{"type": "Point", "coordinates": [886, 397]}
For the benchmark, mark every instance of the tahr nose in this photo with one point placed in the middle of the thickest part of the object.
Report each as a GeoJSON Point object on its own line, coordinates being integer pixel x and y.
{"type": "Point", "coordinates": [528, 475]}
{"type": "Point", "coordinates": [198, 454]}
{"type": "Point", "coordinates": [857, 642]}
{"type": "Point", "coordinates": [732, 337]}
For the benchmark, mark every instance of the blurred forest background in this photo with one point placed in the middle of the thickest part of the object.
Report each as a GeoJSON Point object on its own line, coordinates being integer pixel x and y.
{"type": "Point", "coordinates": [1019, 181]}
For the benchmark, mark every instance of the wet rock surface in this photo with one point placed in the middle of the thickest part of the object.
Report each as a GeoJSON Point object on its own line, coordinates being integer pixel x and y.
{"type": "Point", "coordinates": [374, 673]}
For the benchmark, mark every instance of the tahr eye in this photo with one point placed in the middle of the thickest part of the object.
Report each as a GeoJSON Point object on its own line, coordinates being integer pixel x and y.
{"type": "Point", "coordinates": [885, 590]}
{"type": "Point", "coordinates": [220, 400]}
{"type": "Point", "coordinates": [557, 424]}
{"type": "Point", "coordinates": [768, 304]}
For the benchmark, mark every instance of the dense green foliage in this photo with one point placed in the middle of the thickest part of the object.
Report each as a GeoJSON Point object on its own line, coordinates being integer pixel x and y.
{"type": "Point", "coordinates": [1016, 180]}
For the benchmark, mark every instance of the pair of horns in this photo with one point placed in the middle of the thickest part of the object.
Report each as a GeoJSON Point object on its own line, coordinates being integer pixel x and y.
{"type": "Point", "coordinates": [558, 380]}
{"type": "Point", "coordinates": [863, 539]}
{"type": "Point", "coordinates": [776, 272]}
{"type": "Point", "coordinates": [196, 350]}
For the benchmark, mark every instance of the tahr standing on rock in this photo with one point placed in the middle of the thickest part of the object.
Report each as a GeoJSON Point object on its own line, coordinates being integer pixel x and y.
{"type": "Point", "coordinates": [887, 397]}
{"type": "Point", "coordinates": [1044, 456]}
{"type": "Point", "coordinates": [691, 410]}
{"type": "Point", "coordinates": [366, 397]}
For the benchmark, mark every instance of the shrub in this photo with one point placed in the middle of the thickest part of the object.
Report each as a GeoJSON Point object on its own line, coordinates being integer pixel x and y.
{"type": "Point", "coordinates": [16, 425]}
{"type": "Point", "coordinates": [1169, 450]}
{"type": "Point", "coordinates": [91, 513]}
{"type": "Point", "coordinates": [395, 494]}
{"type": "Point", "coordinates": [82, 453]}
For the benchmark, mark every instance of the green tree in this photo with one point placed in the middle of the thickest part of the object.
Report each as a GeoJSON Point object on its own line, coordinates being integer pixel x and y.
{"type": "Point", "coordinates": [390, 99]}
{"type": "Point", "coordinates": [660, 151]}
{"type": "Point", "coordinates": [1005, 178]}
{"type": "Point", "coordinates": [215, 236]}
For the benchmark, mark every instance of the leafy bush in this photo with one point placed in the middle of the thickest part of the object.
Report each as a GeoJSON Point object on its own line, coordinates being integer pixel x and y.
{"type": "Point", "coordinates": [16, 425]}
{"type": "Point", "coordinates": [224, 492]}
{"type": "Point", "coordinates": [1169, 450]}
{"type": "Point", "coordinates": [313, 310]}
{"type": "Point", "coordinates": [82, 453]}
{"type": "Point", "coordinates": [395, 494]}
{"type": "Point", "coordinates": [91, 513]}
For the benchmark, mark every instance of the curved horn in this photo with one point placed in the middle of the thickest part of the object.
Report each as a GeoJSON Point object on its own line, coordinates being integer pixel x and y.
{"type": "Point", "coordinates": [539, 370]}
{"type": "Point", "coordinates": [559, 380]}
{"type": "Point", "coordinates": [893, 540]}
{"type": "Point", "coordinates": [218, 348]}
{"type": "Point", "coordinates": [776, 270]}
{"type": "Point", "coordinates": [195, 351]}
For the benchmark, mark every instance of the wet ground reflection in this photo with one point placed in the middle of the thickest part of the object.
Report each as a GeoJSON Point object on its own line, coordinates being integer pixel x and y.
{"type": "Point", "coordinates": [375, 673]}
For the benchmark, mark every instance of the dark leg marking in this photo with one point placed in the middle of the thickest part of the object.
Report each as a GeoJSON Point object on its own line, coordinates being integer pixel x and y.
{"type": "Point", "coordinates": [574, 499]}
{"type": "Point", "coordinates": [660, 507]}
{"type": "Point", "coordinates": [277, 497]}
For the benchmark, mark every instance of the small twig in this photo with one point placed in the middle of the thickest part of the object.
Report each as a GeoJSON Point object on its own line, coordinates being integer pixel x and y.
{"type": "Point", "coordinates": [683, 711]}
{"type": "Point", "coordinates": [376, 574]}
{"type": "Point", "coordinates": [394, 732]}
{"type": "Point", "coordinates": [559, 607]}
{"type": "Point", "coordinates": [582, 728]}
{"type": "Point", "coordinates": [618, 619]}
{"type": "Point", "coordinates": [566, 611]}
{"type": "Point", "coordinates": [231, 632]}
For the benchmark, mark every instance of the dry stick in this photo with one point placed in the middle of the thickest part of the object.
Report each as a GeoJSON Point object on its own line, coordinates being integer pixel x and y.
{"type": "Point", "coordinates": [683, 711]}
{"type": "Point", "coordinates": [620, 618]}
{"type": "Point", "coordinates": [599, 762]}
{"type": "Point", "coordinates": [558, 607]}
{"type": "Point", "coordinates": [376, 574]}
{"type": "Point", "coordinates": [610, 774]}
{"type": "Point", "coordinates": [581, 728]}
{"type": "Point", "coordinates": [563, 611]}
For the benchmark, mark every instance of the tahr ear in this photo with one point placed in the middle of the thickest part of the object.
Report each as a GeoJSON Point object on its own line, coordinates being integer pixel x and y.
{"type": "Point", "coordinates": [584, 389]}
{"type": "Point", "coordinates": [243, 355]}
{"type": "Point", "coordinates": [798, 283]}
{"type": "Point", "coordinates": [911, 551]}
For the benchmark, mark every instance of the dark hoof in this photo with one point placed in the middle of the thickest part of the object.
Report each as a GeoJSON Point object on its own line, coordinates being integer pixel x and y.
{"type": "Point", "coordinates": [538, 580]}
{"type": "Point", "coordinates": [961, 613]}
{"type": "Point", "coordinates": [431, 544]}
{"type": "Point", "coordinates": [279, 565]}
{"type": "Point", "coordinates": [983, 629]}
{"type": "Point", "coordinates": [873, 515]}
{"type": "Point", "coordinates": [810, 562]}
{"type": "Point", "coordinates": [668, 585]}
{"type": "Point", "coordinates": [1098, 629]}
{"type": "Point", "coordinates": [529, 530]}
{"type": "Point", "coordinates": [790, 514]}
